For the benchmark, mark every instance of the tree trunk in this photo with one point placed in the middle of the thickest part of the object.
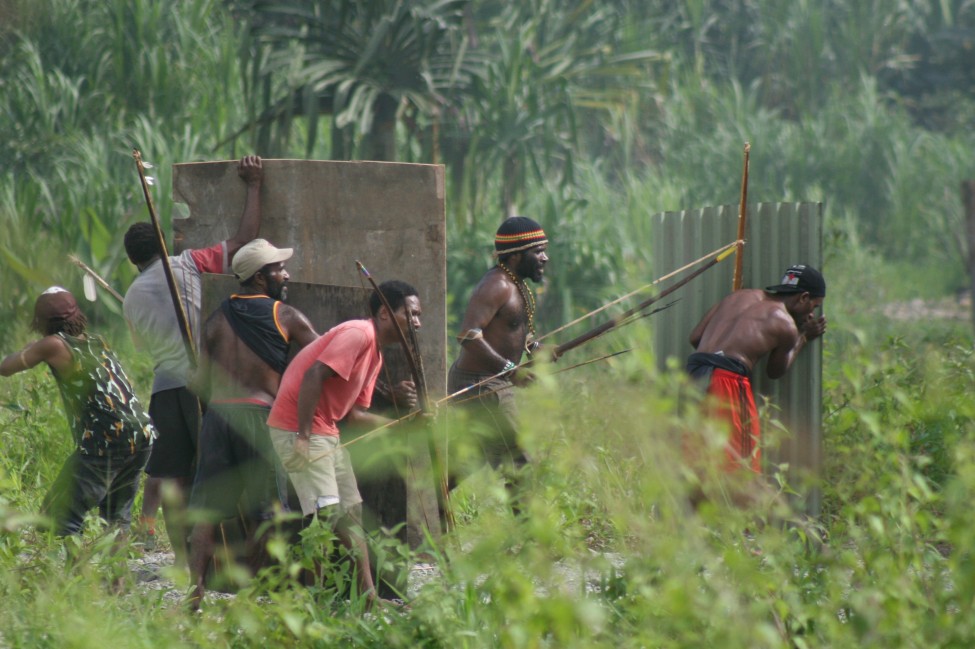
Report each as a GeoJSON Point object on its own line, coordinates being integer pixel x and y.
{"type": "Point", "coordinates": [968, 200]}
{"type": "Point", "coordinates": [380, 142]}
{"type": "Point", "coordinates": [510, 183]}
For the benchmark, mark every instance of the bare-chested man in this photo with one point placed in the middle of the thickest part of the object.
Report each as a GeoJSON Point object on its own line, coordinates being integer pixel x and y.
{"type": "Point", "coordinates": [245, 352]}
{"type": "Point", "coordinates": [738, 332]}
{"type": "Point", "coordinates": [498, 328]}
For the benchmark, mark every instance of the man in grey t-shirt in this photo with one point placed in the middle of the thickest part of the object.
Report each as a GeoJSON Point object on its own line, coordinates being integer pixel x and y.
{"type": "Point", "coordinates": [148, 308]}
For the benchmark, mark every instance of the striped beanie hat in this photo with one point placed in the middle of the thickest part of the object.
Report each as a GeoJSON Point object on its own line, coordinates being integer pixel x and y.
{"type": "Point", "coordinates": [516, 234]}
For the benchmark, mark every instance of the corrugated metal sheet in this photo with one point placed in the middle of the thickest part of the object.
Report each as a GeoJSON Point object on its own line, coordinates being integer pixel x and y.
{"type": "Point", "coordinates": [777, 235]}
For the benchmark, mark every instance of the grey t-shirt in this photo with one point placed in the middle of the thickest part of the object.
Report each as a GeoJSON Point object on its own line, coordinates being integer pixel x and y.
{"type": "Point", "coordinates": [148, 308]}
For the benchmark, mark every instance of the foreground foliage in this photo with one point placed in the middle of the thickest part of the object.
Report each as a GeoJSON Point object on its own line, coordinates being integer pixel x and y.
{"type": "Point", "coordinates": [608, 553]}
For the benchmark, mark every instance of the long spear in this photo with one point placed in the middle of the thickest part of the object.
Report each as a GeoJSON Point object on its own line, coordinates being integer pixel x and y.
{"type": "Point", "coordinates": [722, 252]}
{"type": "Point", "coordinates": [412, 353]}
{"type": "Point", "coordinates": [181, 319]}
{"type": "Point", "coordinates": [663, 278]}
{"type": "Point", "coordinates": [615, 321]}
{"type": "Point", "coordinates": [742, 217]}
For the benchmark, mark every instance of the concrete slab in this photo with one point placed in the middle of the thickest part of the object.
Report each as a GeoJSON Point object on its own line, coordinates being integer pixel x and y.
{"type": "Point", "coordinates": [390, 216]}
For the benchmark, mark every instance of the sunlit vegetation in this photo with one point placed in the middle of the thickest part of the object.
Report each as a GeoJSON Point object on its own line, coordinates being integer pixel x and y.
{"type": "Point", "coordinates": [590, 117]}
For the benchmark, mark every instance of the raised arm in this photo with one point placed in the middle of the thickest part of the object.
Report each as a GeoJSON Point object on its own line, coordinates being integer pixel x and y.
{"type": "Point", "coordinates": [251, 171]}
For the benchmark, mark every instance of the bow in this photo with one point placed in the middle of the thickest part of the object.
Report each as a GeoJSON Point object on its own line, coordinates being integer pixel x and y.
{"type": "Point", "coordinates": [742, 216]}
{"type": "Point", "coordinates": [612, 323]}
{"type": "Point", "coordinates": [638, 290]}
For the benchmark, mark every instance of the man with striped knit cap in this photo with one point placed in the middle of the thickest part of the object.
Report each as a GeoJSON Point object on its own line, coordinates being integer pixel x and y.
{"type": "Point", "coordinates": [497, 330]}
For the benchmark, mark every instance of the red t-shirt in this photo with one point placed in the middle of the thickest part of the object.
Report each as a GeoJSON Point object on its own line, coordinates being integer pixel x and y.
{"type": "Point", "coordinates": [212, 259]}
{"type": "Point", "coordinates": [350, 350]}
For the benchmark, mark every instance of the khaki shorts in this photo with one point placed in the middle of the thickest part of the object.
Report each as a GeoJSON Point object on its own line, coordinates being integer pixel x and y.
{"type": "Point", "coordinates": [328, 481]}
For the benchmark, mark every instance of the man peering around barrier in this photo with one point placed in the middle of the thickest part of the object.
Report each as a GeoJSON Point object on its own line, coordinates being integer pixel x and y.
{"type": "Point", "coordinates": [735, 334]}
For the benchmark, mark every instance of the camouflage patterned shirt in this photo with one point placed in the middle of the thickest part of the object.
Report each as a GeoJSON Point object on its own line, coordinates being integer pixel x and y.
{"type": "Point", "coordinates": [103, 412]}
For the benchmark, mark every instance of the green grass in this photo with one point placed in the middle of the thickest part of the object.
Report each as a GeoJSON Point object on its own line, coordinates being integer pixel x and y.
{"type": "Point", "coordinates": [887, 564]}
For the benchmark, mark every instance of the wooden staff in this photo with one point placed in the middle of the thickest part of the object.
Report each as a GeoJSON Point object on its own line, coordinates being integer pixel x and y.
{"type": "Point", "coordinates": [742, 217]}
{"type": "Point", "coordinates": [181, 319]}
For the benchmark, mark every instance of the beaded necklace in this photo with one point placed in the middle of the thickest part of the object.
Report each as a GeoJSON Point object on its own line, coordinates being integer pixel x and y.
{"type": "Point", "coordinates": [526, 296]}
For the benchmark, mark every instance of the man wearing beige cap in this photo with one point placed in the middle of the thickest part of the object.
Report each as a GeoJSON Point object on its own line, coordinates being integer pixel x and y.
{"type": "Point", "coordinates": [112, 433]}
{"type": "Point", "coordinates": [245, 351]}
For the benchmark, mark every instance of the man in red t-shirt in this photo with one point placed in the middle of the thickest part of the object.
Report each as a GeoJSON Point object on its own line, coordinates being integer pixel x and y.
{"type": "Point", "coordinates": [329, 380]}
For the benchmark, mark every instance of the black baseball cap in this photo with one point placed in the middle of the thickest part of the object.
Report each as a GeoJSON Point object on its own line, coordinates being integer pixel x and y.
{"type": "Point", "coordinates": [801, 279]}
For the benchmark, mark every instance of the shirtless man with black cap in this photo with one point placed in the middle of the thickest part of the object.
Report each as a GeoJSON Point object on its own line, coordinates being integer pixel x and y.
{"type": "Point", "coordinates": [737, 333]}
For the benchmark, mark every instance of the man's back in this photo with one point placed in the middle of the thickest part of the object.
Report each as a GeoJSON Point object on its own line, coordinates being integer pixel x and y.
{"type": "Point", "coordinates": [746, 325]}
{"type": "Point", "coordinates": [239, 372]}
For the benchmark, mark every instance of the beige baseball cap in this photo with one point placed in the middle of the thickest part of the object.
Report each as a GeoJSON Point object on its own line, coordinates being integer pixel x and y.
{"type": "Point", "coordinates": [255, 255]}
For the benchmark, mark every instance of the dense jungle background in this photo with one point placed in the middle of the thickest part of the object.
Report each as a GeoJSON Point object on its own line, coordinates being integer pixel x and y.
{"type": "Point", "coordinates": [589, 116]}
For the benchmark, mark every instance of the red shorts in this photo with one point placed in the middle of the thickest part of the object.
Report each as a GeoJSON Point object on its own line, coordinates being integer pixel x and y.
{"type": "Point", "coordinates": [736, 405]}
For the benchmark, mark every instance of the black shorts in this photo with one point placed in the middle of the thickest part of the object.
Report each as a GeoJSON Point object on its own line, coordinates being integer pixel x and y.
{"type": "Point", "coordinates": [176, 415]}
{"type": "Point", "coordinates": [108, 482]}
{"type": "Point", "coordinates": [237, 470]}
